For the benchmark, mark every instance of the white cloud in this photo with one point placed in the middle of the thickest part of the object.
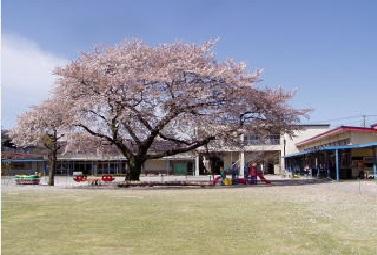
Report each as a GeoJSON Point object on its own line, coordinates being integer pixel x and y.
{"type": "Point", "coordinates": [26, 76]}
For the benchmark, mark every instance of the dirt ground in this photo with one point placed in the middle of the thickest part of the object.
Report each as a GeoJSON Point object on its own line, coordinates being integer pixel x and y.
{"type": "Point", "coordinates": [323, 218]}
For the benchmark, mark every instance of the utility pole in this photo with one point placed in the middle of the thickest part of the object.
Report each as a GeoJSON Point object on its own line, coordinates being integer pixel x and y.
{"type": "Point", "coordinates": [364, 120]}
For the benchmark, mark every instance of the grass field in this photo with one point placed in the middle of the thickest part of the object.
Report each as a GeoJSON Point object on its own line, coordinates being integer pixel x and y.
{"type": "Point", "coordinates": [329, 218]}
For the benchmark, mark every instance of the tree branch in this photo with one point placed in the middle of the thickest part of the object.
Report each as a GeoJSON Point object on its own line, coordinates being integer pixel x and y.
{"type": "Point", "coordinates": [140, 117]}
{"type": "Point", "coordinates": [125, 150]}
{"type": "Point", "coordinates": [174, 140]}
{"type": "Point", "coordinates": [181, 150]}
{"type": "Point", "coordinates": [97, 114]}
{"type": "Point", "coordinates": [47, 146]}
{"type": "Point", "coordinates": [132, 133]}
{"type": "Point", "coordinates": [156, 130]}
{"type": "Point", "coordinates": [95, 133]}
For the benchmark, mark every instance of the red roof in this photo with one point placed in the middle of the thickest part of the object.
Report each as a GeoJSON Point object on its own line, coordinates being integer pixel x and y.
{"type": "Point", "coordinates": [338, 130]}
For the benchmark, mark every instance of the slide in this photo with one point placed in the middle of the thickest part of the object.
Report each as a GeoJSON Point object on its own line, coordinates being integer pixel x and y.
{"type": "Point", "coordinates": [261, 176]}
{"type": "Point", "coordinates": [216, 180]}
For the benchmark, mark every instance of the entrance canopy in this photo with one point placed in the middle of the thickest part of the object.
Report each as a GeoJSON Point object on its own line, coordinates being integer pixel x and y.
{"type": "Point", "coordinates": [329, 148]}
{"type": "Point", "coordinates": [345, 160]}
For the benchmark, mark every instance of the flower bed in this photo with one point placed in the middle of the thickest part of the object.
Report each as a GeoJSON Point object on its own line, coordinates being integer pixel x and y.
{"type": "Point", "coordinates": [27, 179]}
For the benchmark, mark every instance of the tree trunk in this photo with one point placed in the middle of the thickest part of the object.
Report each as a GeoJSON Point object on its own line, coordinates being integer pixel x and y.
{"type": "Point", "coordinates": [54, 158]}
{"type": "Point", "coordinates": [52, 170]}
{"type": "Point", "coordinates": [135, 169]}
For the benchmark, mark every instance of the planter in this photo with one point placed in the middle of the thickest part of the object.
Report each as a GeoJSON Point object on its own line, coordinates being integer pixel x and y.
{"type": "Point", "coordinates": [27, 179]}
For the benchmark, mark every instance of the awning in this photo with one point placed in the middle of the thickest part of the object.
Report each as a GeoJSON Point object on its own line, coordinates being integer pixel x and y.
{"type": "Point", "coordinates": [298, 154]}
{"type": "Point", "coordinates": [329, 148]}
{"type": "Point", "coordinates": [352, 146]}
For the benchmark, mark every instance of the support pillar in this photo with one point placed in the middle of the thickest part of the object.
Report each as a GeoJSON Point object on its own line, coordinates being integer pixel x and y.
{"type": "Point", "coordinates": [196, 172]}
{"type": "Point", "coordinates": [242, 157]}
{"type": "Point", "coordinates": [337, 164]}
{"type": "Point", "coordinates": [242, 164]}
{"type": "Point", "coordinates": [375, 164]}
{"type": "Point", "coordinates": [316, 165]}
{"type": "Point", "coordinates": [283, 162]}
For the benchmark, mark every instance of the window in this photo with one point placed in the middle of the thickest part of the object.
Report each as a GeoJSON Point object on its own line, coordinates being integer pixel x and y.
{"type": "Point", "coordinates": [257, 139]}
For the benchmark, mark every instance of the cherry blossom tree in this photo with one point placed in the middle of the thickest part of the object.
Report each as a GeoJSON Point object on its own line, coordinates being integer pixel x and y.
{"type": "Point", "coordinates": [43, 126]}
{"type": "Point", "coordinates": [133, 96]}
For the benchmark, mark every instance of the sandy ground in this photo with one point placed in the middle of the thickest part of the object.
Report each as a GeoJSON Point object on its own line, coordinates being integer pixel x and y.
{"type": "Point", "coordinates": [359, 189]}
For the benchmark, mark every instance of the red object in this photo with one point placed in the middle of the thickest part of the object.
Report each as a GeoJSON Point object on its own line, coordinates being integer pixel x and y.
{"type": "Point", "coordinates": [242, 181]}
{"type": "Point", "coordinates": [107, 178]}
{"type": "Point", "coordinates": [216, 180]}
{"type": "Point", "coordinates": [79, 178]}
{"type": "Point", "coordinates": [261, 176]}
{"type": "Point", "coordinates": [253, 171]}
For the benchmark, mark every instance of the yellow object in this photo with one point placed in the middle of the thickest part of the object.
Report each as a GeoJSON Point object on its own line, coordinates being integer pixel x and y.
{"type": "Point", "coordinates": [227, 182]}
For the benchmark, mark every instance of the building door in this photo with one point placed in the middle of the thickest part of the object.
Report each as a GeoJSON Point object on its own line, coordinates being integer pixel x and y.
{"type": "Point", "coordinates": [180, 168]}
{"type": "Point", "coordinates": [190, 168]}
{"type": "Point", "coordinates": [270, 168]}
{"type": "Point", "coordinates": [216, 164]}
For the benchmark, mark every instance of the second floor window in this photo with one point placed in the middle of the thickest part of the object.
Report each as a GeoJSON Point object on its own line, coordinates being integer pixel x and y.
{"type": "Point", "coordinates": [257, 139]}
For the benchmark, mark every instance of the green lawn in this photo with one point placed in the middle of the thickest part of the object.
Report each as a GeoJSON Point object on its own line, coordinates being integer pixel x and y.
{"type": "Point", "coordinates": [318, 219]}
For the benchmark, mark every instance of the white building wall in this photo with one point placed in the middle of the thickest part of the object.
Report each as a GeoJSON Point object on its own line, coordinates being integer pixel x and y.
{"type": "Point", "coordinates": [263, 147]}
{"type": "Point", "coordinates": [354, 137]}
{"type": "Point", "coordinates": [327, 141]}
{"type": "Point", "coordinates": [305, 133]}
{"type": "Point", "coordinates": [254, 152]}
{"type": "Point", "coordinates": [359, 138]}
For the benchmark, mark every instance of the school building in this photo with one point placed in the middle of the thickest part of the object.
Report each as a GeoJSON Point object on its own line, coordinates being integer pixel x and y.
{"type": "Point", "coordinates": [267, 151]}
{"type": "Point", "coordinates": [339, 153]}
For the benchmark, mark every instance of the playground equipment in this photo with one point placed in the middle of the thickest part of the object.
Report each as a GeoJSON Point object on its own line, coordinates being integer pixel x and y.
{"type": "Point", "coordinates": [216, 180]}
{"type": "Point", "coordinates": [248, 180]}
{"type": "Point", "coordinates": [261, 176]}
{"type": "Point", "coordinates": [227, 182]}
{"type": "Point", "coordinates": [251, 176]}
{"type": "Point", "coordinates": [95, 181]}
{"type": "Point", "coordinates": [27, 179]}
{"type": "Point", "coordinates": [80, 178]}
{"type": "Point", "coordinates": [107, 178]}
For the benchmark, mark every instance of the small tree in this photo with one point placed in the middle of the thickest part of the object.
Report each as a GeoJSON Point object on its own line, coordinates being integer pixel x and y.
{"type": "Point", "coordinates": [42, 126]}
{"type": "Point", "coordinates": [134, 95]}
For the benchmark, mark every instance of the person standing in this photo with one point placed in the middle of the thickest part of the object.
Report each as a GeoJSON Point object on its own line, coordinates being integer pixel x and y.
{"type": "Point", "coordinates": [234, 173]}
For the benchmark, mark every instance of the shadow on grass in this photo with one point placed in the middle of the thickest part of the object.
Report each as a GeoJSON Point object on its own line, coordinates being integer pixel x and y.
{"type": "Point", "coordinates": [200, 185]}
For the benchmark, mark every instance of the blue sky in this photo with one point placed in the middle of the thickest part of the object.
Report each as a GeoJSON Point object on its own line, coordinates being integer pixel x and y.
{"type": "Point", "coordinates": [325, 49]}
